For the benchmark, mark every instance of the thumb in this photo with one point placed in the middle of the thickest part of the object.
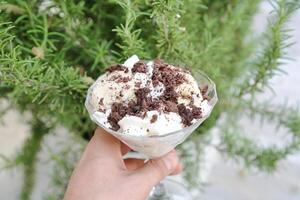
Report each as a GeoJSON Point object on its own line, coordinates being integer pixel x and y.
{"type": "Point", "coordinates": [157, 169]}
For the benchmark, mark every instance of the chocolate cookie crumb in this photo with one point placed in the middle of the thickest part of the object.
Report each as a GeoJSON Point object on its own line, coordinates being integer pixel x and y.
{"type": "Point", "coordinates": [166, 74]}
{"type": "Point", "coordinates": [126, 87]}
{"type": "Point", "coordinates": [159, 61]}
{"type": "Point", "coordinates": [139, 67]}
{"type": "Point", "coordinates": [197, 113]}
{"type": "Point", "coordinates": [156, 105]}
{"type": "Point", "coordinates": [118, 111]}
{"type": "Point", "coordinates": [203, 89]}
{"type": "Point", "coordinates": [185, 114]}
{"type": "Point", "coordinates": [141, 94]}
{"type": "Point", "coordinates": [171, 107]}
{"type": "Point", "coordinates": [101, 102]}
{"type": "Point", "coordinates": [206, 97]}
{"type": "Point", "coordinates": [138, 84]}
{"type": "Point", "coordinates": [133, 108]}
{"type": "Point", "coordinates": [153, 119]}
{"type": "Point", "coordinates": [156, 76]}
{"type": "Point", "coordinates": [102, 110]}
{"type": "Point", "coordinates": [117, 67]}
{"type": "Point", "coordinates": [123, 79]}
{"type": "Point", "coordinates": [170, 94]}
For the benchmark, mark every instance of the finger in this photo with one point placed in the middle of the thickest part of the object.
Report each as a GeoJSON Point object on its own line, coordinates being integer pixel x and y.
{"type": "Point", "coordinates": [177, 170]}
{"type": "Point", "coordinates": [103, 145]}
{"type": "Point", "coordinates": [133, 163]}
{"type": "Point", "coordinates": [156, 170]}
{"type": "Point", "coordinates": [124, 149]}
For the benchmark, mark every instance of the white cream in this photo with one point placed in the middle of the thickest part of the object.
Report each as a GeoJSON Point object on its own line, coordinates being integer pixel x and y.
{"type": "Point", "coordinates": [142, 78]}
{"type": "Point", "coordinates": [110, 91]}
{"type": "Point", "coordinates": [205, 108]}
{"type": "Point", "coordinates": [157, 90]}
{"type": "Point", "coordinates": [101, 118]}
{"type": "Point", "coordinates": [189, 89]}
{"type": "Point", "coordinates": [131, 61]}
{"type": "Point", "coordinates": [165, 123]}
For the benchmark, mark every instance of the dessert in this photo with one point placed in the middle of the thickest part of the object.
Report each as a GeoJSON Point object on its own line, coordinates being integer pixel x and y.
{"type": "Point", "coordinates": [153, 98]}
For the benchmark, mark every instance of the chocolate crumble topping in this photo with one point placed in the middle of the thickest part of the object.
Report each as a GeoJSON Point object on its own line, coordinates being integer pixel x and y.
{"type": "Point", "coordinates": [126, 87]}
{"type": "Point", "coordinates": [142, 99]}
{"type": "Point", "coordinates": [138, 84]}
{"type": "Point", "coordinates": [158, 61]}
{"type": "Point", "coordinates": [170, 77]}
{"type": "Point", "coordinates": [156, 104]}
{"type": "Point", "coordinates": [139, 67]}
{"type": "Point", "coordinates": [163, 73]}
{"type": "Point", "coordinates": [206, 97]}
{"type": "Point", "coordinates": [118, 111]}
{"type": "Point", "coordinates": [153, 119]}
{"type": "Point", "coordinates": [101, 102]}
{"type": "Point", "coordinates": [203, 89]}
{"type": "Point", "coordinates": [156, 76]}
{"type": "Point", "coordinates": [117, 67]}
{"type": "Point", "coordinates": [120, 79]}
{"type": "Point", "coordinates": [197, 113]}
{"type": "Point", "coordinates": [123, 79]}
{"type": "Point", "coordinates": [101, 109]}
{"type": "Point", "coordinates": [167, 74]}
{"type": "Point", "coordinates": [185, 114]}
{"type": "Point", "coordinates": [171, 107]}
{"type": "Point", "coordinates": [170, 94]}
{"type": "Point", "coordinates": [141, 94]}
{"type": "Point", "coordinates": [133, 108]}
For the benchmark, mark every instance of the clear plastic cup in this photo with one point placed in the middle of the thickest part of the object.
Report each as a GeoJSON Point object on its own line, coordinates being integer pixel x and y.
{"type": "Point", "coordinates": [154, 146]}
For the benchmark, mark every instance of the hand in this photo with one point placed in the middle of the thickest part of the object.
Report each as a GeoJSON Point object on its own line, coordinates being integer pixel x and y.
{"type": "Point", "coordinates": [103, 174]}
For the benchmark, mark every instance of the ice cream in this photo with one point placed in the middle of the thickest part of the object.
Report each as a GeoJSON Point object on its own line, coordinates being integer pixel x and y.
{"type": "Point", "coordinates": [153, 98]}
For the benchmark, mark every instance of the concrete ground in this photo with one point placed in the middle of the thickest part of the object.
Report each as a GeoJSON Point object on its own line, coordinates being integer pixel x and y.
{"type": "Point", "coordinates": [226, 181]}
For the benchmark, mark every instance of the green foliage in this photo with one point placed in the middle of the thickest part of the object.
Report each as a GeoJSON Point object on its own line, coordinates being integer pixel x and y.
{"type": "Point", "coordinates": [267, 64]}
{"type": "Point", "coordinates": [130, 37]}
{"type": "Point", "coordinates": [50, 54]}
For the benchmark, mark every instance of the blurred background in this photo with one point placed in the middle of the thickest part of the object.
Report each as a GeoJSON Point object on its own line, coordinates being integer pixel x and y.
{"type": "Point", "coordinates": [224, 179]}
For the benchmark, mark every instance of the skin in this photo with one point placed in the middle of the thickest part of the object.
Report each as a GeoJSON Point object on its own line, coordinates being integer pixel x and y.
{"type": "Point", "coordinates": [102, 173]}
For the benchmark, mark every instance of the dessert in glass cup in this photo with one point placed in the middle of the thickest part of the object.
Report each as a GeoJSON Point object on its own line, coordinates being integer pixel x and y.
{"type": "Point", "coordinates": [151, 107]}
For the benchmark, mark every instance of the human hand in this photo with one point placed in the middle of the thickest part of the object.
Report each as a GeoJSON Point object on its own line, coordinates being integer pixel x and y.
{"type": "Point", "coordinates": [103, 174]}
